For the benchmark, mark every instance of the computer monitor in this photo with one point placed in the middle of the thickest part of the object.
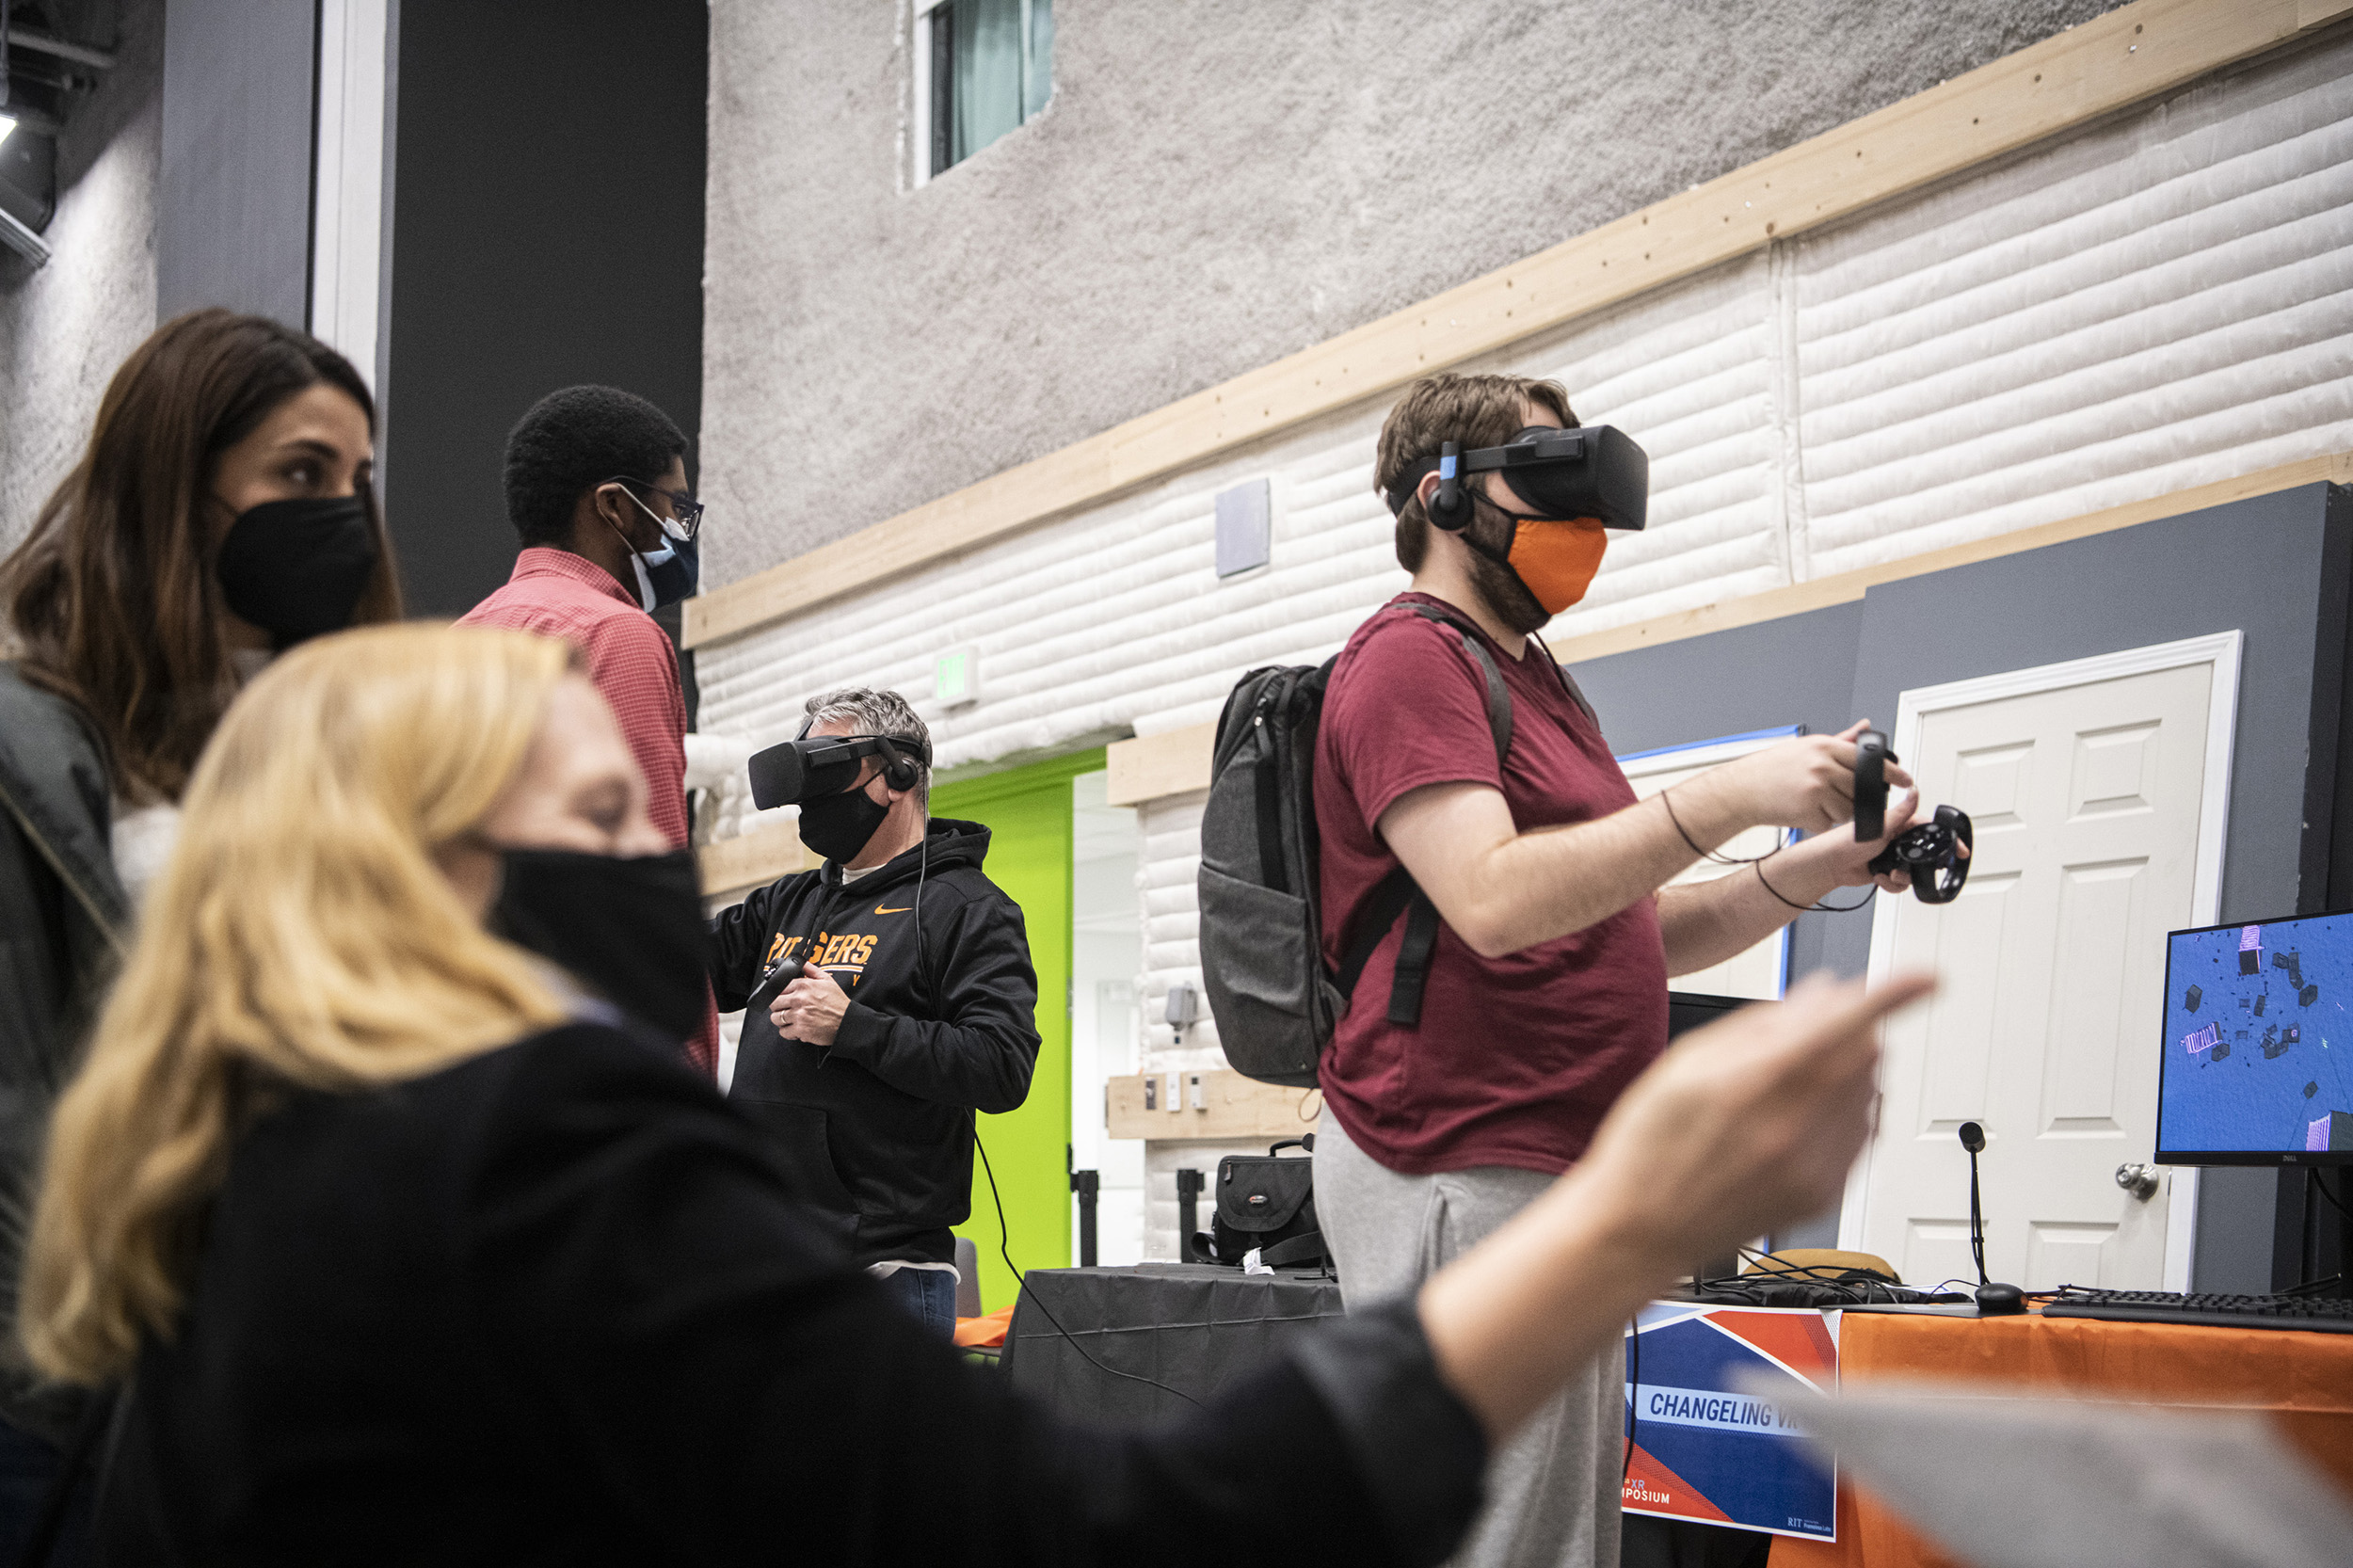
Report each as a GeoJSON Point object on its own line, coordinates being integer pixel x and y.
{"type": "Point", "coordinates": [1691, 1009]}
{"type": "Point", "coordinates": [2257, 1065]}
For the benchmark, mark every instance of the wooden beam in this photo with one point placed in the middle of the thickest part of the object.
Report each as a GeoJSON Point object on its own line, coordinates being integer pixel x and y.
{"type": "Point", "coordinates": [1177, 761]}
{"type": "Point", "coordinates": [753, 859]}
{"type": "Point", "coordinates": [1237, 1107]}
{"type": "Point", "coordinates": [2104, 65]}
{"type": "Point", "coordinates": [1151, 767]}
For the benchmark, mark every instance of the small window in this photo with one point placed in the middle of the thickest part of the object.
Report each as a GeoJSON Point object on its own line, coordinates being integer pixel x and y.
{"type": "Point", "coordinates": [985, 68]}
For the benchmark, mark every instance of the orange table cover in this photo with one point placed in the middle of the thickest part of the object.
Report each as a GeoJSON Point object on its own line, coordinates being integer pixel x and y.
{"type": "Point", "coordinates": [2306, 1379]}
{"type": "Point", "coordinates": [985, 1331]}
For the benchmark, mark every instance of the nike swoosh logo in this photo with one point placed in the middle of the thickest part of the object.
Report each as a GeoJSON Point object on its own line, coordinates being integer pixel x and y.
{"type": "Point", "coordinates": [880, 910]}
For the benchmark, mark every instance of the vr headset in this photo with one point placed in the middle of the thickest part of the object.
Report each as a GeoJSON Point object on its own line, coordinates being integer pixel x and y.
{"type": "Point", "coordinates": [811, 767]}
{"type": "Point", "coordinates": [1597, 471]}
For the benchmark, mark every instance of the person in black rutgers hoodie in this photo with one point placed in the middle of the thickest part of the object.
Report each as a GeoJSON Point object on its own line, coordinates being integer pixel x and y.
{"type": "Point", "coordinates": [918, 1008]}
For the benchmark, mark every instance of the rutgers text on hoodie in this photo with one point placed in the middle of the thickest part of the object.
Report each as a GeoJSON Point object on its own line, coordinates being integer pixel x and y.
{"type": "Point", "coordinates": [877, 1129]}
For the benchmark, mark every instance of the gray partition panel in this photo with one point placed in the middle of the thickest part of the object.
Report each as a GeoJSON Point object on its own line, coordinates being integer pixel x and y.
{"type": "Point", "coordinates": [2271, 567]}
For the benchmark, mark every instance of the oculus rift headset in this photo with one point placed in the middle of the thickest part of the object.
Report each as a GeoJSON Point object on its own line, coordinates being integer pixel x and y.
{"type": "Point", "coordinates": [1594, 472]}
{"type": "Point", "coordinates": [811, 767]}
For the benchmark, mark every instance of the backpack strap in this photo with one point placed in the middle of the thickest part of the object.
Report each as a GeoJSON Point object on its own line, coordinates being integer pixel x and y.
{"type": "Point", "coordinates": [1397, 892]}
{"type": "Point", "coordinates": [1499, 694]}
{"type": "Point", "coordinates": [1390, 899]}
{"type": "Point", "coordinates": [1413, 960]}
{"type": "Point", "coordinates": [1568, 682]}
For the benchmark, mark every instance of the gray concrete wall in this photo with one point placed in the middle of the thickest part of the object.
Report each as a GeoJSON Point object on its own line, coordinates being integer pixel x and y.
{"type": "Point", "coordinates": [1216, 184]}
{"type": "Point", "coordinates": [64, 327]}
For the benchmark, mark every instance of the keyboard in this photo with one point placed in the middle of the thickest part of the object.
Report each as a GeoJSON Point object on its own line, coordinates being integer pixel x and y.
{"type": "Point", "coordinates": [2326, 1314]}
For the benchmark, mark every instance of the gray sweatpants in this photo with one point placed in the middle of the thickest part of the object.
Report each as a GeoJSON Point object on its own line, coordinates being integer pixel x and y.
{"type": "Point", "coordinates": [1552, 1491]}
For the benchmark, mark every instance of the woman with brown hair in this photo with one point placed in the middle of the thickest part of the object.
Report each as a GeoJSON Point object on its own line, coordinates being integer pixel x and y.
{"type": "Point", "coordinates": [406, 1252]}
{"type": "Point", "coordinates": [222, 511]}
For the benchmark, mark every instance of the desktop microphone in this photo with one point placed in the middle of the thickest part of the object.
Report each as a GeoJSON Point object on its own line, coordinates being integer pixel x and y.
{"type": "Point", "coordinates": [1995, 1300]}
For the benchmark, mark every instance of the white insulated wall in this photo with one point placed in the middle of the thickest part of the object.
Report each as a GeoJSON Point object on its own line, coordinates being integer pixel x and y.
{"type": "Point", "coordinates": [2159, 302]}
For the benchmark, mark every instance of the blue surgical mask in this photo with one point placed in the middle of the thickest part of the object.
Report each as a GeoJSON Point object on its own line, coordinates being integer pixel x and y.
{"type": "Point", "coordinates": [667, 575]}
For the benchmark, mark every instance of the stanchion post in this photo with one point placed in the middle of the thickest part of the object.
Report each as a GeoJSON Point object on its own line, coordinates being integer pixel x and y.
{"type": "Point", "coordinates": [1189, 1185]}
{"type": "Point", "coordinates": [1088, 1185]}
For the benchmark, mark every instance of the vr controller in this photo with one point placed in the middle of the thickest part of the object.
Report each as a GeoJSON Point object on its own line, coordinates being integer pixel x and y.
{"type": "Point", "coordinates": [782, 973]}
{"type": "Point", "coordinates": [1932, 850]}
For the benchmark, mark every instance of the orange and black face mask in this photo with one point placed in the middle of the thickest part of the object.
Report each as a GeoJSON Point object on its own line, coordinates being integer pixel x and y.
{"type": "Point", "coordinates": [1556, 560]}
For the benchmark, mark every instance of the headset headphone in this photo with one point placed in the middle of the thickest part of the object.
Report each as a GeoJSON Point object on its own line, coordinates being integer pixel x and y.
{"type": "Point", "coordinates": [1450, 508]}
{"type": "Point", "coordinates": [898, 772]}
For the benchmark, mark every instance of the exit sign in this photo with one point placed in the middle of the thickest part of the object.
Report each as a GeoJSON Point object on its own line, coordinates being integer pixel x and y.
{"type": "Point", "coordinates": [956, 677]}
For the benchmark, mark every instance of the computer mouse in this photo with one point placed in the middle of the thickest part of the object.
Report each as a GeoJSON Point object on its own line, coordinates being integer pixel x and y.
{"type": "Point", "coordinates": [2000, 1301]}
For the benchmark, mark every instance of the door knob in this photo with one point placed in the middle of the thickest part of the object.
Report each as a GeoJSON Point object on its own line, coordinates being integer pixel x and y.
{"type": "Point", "coordinates": [2140, 1180]}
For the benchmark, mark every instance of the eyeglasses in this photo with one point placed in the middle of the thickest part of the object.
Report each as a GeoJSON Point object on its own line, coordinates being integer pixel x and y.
{"type": "Point", "coordinates": [689, 510]}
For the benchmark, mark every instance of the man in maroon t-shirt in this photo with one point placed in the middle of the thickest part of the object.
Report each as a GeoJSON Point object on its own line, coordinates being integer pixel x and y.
{"type": "Point", "coordinates": [1546, 989]}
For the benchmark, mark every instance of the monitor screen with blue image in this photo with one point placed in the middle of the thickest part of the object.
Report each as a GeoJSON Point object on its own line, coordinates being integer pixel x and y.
{"type": "Point", "coordinates": [2257, 1064]}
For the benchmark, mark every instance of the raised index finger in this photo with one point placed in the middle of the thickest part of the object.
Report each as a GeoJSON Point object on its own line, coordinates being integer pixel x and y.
{"type": "Point", "coordinates": [1834, 1026]}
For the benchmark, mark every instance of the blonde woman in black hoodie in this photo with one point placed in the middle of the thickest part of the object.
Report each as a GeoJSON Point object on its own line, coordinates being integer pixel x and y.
{"type": "Point", "coordinates": [412, 1250]}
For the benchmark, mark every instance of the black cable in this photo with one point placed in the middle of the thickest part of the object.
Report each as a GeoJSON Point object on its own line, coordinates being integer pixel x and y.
{"type": "Point", "coordinates": [1845, 1286]}
{"type": "Point", "coordinates": [1712, 856]}
{"type": "Point", "coordinates": [1807, 908]}
{"type": "Point", "coordinates": [2320, 1183]}
{"type": "Point", "coordinates": [1021, 1283]}
{"type": "Point", "coordinates": [922, 868]}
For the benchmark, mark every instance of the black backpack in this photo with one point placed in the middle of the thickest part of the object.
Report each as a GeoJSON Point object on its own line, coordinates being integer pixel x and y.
{"type": "Point", "coordinates": [1262, 935]}
{"type": "Point", "coordinates": [1265, 1204]}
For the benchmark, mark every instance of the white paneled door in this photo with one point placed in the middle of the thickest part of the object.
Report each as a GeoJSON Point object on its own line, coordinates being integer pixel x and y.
{"type": "Point", "coordinates": [2098, 791]}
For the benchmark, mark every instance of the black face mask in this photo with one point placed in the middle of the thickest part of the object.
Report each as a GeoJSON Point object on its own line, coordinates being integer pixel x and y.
{"type": "Point", "coordinates": [631, 929]}
{"type": "Point", "coordinates": [296, 569]}
{"type": "Point", "coordinates": [837, 827]}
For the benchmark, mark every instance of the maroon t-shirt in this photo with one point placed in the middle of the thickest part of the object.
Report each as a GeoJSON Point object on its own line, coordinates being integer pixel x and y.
{"type": "Point", "coordinates": [1516, 1058]}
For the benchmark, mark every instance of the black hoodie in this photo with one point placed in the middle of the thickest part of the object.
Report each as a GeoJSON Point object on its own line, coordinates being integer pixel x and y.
{"type": "Point", "coordinates": [877, 1129]}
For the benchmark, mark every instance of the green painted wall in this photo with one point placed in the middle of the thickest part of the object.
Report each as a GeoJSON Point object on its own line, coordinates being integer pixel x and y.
{"type": "Point", "coordinates": [1028, 814]}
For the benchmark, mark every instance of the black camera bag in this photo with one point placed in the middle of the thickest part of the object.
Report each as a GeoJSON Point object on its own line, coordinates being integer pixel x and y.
{"type": "Point", "coordinates": [1268, 1204]}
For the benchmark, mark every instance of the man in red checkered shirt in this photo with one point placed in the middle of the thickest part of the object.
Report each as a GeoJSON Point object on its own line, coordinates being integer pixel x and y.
{"type": "Point", "coordinates": [596, 485]}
